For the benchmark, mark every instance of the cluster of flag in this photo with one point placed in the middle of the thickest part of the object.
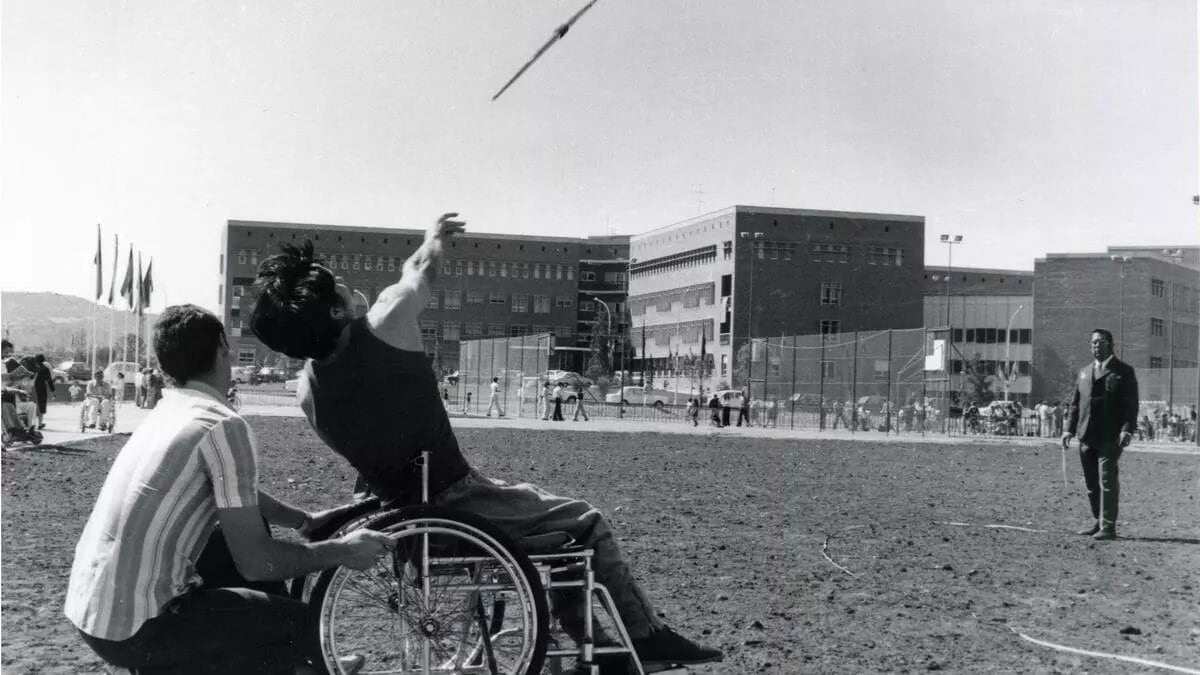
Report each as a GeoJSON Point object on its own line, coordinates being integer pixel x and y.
{"type": "Point", "coordinates": [136, 290]}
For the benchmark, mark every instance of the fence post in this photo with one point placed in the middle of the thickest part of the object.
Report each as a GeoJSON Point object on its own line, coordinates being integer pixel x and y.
{"type": "Point", "coordinates": [924, 374]}
{"type": "Point", "coordinates": [792, 396]}
{"type": "Point", "coordinates": [854, 388]}
{"type": "Point", "coordinates": [521, 382]}
{"type": "Point", "coordinates": [888, 428]}
{"type": "Point", "coordinates": [821, 386]}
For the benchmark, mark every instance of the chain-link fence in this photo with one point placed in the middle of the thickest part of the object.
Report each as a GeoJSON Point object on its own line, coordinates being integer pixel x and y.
{"type": "Point", "coordinates": [515, 362]}
{"type": "Point", "coordinates": [864, 381]}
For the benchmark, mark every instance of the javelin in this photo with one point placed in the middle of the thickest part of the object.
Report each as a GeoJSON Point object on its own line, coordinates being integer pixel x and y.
{"type": "Point", "coordinates": [558, 35]}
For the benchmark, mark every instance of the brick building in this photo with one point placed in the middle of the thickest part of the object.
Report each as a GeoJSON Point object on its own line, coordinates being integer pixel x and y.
{"type": "Point", "coordinates": [490, 285]}
{"type": "Point", "coordinates": [765, 272]}
{"type": "Point", "coordinates": [603, 265]}
{"type": "Point", "coordinates": [1149, 299]}
{"type": "Point", "coordinates": [984, 304]}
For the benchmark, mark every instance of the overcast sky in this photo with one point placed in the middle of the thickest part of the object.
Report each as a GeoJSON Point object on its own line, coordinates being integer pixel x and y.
{"type": "Point", "coordinates": [1027, 127]}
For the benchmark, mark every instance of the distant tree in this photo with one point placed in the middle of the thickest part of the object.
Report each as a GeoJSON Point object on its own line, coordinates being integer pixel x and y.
{"type": "Point", "coordinates": [741, 366]}
{"type": "Point", "coordinates": [978, 382]}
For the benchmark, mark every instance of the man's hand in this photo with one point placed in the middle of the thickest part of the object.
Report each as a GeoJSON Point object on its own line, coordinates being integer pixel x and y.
{"type": "Point", "coordinates": [317, 521]}
{"type": "Point", "coordinates": [1125, 439]}
{"type": "Point", "coordinates": [363, 547]}
{"type": "Point", "coordinates": [445, 226]}
{"type": "Point", "coordinates": [1066, 439]}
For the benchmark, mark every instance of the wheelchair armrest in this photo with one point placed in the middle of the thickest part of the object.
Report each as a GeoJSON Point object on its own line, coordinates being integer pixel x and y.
{"type": "Point", "coordinates": [547, 542]}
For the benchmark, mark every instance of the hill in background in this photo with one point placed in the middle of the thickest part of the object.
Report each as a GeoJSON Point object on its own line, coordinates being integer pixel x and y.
{"type": "Point", "coordinates": [53, 322]}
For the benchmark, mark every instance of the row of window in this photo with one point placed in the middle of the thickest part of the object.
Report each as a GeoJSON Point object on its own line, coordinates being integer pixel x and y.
{"type": "Point", "coordinates": [451, 299]}
{"type": "Point", "coordinates": [1157, 362]}
{"type": "Point", "coordinates": [453, 330]}
{"type": "Point", "coordinates": [992, 336]}
{"type": "Point", "coordinates": [451, 267]}
{"type": "Point", "coordinates": [1182, 296]}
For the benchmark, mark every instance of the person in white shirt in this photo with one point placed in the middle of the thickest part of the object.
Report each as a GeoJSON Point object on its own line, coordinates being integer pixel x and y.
{"type": "Point", "coordinates": [494, 398]}
{"type": "Point", "coordinates": [151, 588]}
{"type": "Point", "coordinates": [558, 398]}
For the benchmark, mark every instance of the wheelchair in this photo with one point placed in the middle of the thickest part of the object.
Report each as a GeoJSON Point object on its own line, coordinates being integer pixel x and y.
{"type": "Point", "coordinates": [456, 595]}
{"type": "Point", "coordinates": [85, 414]}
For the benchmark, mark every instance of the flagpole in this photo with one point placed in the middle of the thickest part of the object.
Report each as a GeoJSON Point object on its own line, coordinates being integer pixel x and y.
{"type": "Point", "coordinates": [99, 286]}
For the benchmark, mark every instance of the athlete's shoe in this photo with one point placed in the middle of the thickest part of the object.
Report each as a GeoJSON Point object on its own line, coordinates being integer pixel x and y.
{"type": "Point", "coordinates": [666, 648]}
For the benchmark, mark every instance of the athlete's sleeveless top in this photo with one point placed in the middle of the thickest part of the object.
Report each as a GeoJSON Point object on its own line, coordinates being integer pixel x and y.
{"type": "Point", "coordinates": [378, 406]}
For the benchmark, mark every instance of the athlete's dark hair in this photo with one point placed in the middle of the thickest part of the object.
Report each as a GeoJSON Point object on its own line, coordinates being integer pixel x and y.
{"type": "Point", "coordinates": [186, 339]}
{"type": "Point", "coordinates": [295, 294]}
{"type": "Point", "coordinates": [1107, 335]}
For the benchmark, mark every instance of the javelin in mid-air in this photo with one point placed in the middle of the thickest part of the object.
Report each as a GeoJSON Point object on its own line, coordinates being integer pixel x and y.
{"type": "Point", "coordinates": [558, 35]}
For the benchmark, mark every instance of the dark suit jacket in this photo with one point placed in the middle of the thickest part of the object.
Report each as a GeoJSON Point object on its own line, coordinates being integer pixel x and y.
{"type": "Point", "coordinates": [1104, 404]}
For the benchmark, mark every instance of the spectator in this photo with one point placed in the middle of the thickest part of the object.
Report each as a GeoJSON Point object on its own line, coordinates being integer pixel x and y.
{"type": "Point", "coordinates": [714, 407]}
{"type": "Point", "coordinates": [75, 391]}
{"type": "Point", "coordinates": [141, 386]}
{"type": "Point", "coordinates": [494, 398]}
{"type": "Point", "coordinates": [558, 401]}
{"type": "Point", "coordinates": [546, 400]}
{"type": "Point", "coordinates": [692, 409]}
{"type": "Point", "coordinates": [579, 404]}
{"type": "Point", "coordinates": [744, 410]}
{"type": "Point", "coordinates": [725, 410]}
{"type": "Point", "coordinates": [43, 384]}
{"type": "Point", "coordinates": [772, 412]}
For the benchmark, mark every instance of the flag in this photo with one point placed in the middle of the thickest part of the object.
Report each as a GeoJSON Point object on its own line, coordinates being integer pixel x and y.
{"type": "Point", "coordinates": [147, 285]}
{"type": "Point", "coordinates": [127, 284]}
{"type": "Point", "coordinates": [98, 261]}
{"type": "Point", "coordinates": [112, 282]}
{"type": "Point", "coordinates": [141, 289]}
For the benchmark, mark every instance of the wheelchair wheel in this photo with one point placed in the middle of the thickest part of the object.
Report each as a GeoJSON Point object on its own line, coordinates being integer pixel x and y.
{"type": "Point", "coordinates": [456, 596]}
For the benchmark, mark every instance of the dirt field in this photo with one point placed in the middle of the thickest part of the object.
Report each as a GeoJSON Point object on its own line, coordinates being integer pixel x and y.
{"type": "Point", "coordinates": [728, 535]}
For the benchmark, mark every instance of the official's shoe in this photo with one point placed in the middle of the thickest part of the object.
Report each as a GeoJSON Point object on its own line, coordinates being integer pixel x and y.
{"type": "Point", "coordinates": [1105, 535]}
{"type": "Point", "coordinates": [665, 647]}
{"type": "Point", "coordinates": [1089, 531]}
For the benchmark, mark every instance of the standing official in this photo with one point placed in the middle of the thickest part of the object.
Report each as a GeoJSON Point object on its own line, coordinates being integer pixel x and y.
{"type": "Point", "coordinates": [1103, 414]}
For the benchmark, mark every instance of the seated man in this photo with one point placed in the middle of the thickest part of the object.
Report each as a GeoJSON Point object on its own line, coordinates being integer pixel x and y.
{"type": "Point", "coordinates": [142, 595]}
{"type": "Point", "coordinates": [369, 391]}
{"type": "Point", "coordinates": [99, 402]}
{"type": "Point", "coordinates": [19, 410]}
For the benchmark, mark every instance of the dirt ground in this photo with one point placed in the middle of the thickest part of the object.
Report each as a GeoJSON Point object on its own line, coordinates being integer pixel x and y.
{"type": "Point", "coordinates": [730, 536]}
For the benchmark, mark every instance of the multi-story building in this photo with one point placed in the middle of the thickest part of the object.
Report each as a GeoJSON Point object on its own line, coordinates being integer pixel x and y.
{"type": "Point", "coordinates": [1149, 297]}
{"type": "Point", "coordinates": [990, 318]}
{"type": "Point", "coordinates": [489, 285]}
{"type": "Point", "coordinates": [761, 271]}
{"type": "Point", "coordinates": [603, 265]}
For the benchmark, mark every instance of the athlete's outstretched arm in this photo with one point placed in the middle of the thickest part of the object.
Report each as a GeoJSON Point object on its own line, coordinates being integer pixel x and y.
{"type": "Point", "coordinates": [393, 317]}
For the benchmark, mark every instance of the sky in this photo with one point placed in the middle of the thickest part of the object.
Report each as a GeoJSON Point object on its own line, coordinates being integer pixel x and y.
{"type": "Point", "coordinates": [1028, 127]}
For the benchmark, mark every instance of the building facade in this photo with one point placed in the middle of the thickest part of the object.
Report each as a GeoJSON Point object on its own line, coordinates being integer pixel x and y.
{"type": "Point", "coordinates": [489, 285]}
{"type": "Point", "coordinates": [984, 314]}
{"type": "Point", "coordinates": [603, 266]}
{"type": "Point", "coordinates": [1149, 297]}
{"type": "Point", "coordinates": [754, 271]}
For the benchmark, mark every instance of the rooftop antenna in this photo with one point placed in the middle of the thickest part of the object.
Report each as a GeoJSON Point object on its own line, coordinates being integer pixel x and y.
{"type": "Point", "coordinates": [699, 192]}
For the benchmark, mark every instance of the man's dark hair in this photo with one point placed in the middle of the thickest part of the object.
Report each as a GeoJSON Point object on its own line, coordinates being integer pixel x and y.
{"type": "Point", "coordinates": [295, 295]}
{"type": "Point", "coordinates": [6, 344]}
{"type": "Point", "coordinates": [495, 379]}
{"type": "Point", "coordinates": [186, 340]}
{"type": "Point", "coordinates": [1107, 335]}
{"type": "Point", "coordinates": [40, 358]}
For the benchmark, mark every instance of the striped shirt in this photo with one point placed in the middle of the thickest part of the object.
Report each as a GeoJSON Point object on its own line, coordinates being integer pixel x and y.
{"type": "Point", "coordinates": [189, 457]}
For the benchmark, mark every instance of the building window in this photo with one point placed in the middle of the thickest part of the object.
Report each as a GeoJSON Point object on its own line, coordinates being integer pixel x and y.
{"type": "Point", "coordinates": [727, 252]}
{"type": "Point", "coordinates": [432, 302]}
{"type": "Point", "coordinates": [246, 356]}
{"type": "Point", "coordinates": [563, 301]}
{"type": "Point", "coordinates": [1157, 327]}
{"type": "Point", "coordinates": [558, 272]}
{"type": "Point", "coordinates": [458, 268]}
{"type": "Point", "coordinates": [724, 365]}
{"type": "Point", "coordinates": [587, 276]}
{"type": "Point", "coordinates": [570, 273]}
{"type": "Point", "coordinates": [1025, 336]}
{"type": "Point", "coordinates": [882, 255]}
{"type": "Point", "coordinates": [492, 269]}
{"type": "Point", "coordinates": [470, 268]}
{"type": "Point", "coordinates": [450, 330]}
{"type": "Point", "coordinates": [831, 293]}
{"type": "Point", "coordinates": [957, 336]}
{"type": "Point", "coordinates": [587, 306]}
{"type": "Point", "coordinates": [391, 264]}
{"type": "Point", "coordinates": [828, 370]}
{"type": "Point", "coordinates": [379, 264]}
{"type": "Point", "coordinates": [541, 304]}
{"type": "Point", "coordinates": [830, 326]}
{"type": "Point", "coordinates": [356, 262]}
{"type": "Point", "coordinates": [475, 297]}
{"type": "Point", "coordinates": [447, 268]}
{"type": "Point", "coordinates": [504, 269]}
{"type": "Point", "coordinates": [473, 328]}
{"type": "Point", "coordinates": [429, 330]}
{"type": "Point", "coordinates": [1156, 362]}
{"type": "Point", "coordinates": [239, 291]}
{"type": "Point", "coordinates": [453, 300]}
{"type": "Point", "coordinates": [520, 303]}
{"type": "Point", "coordinates": [497, 298]}
{"type": "Point", "coordinates": [242, 257]}
{"type": "Point", "coordinates": [496, 329]}
{"type": "Point", "coordinates": [1157, 287]}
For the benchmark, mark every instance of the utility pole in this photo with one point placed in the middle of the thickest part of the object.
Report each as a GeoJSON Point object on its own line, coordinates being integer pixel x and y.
{"type": "Point", "coordinates": [1122, 260]}
{"type": "Point", "coordinates": [1176, 256]}
{"type": "Point", "coordinates": [752, 236]}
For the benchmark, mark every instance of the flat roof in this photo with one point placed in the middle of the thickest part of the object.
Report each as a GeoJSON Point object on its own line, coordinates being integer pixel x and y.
{"type": "Point", "coordinates": [309, 227]}
{"type": "Point", "coordinates": [747, 208]}
{"type": "Point", "coordinates": [979, 270]}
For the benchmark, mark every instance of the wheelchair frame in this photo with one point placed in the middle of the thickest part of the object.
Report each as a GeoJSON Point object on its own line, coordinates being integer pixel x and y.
{"type": "Point", "coordinates": [548, 562]}
{"type": "Point", "coordinates": [83, 416]}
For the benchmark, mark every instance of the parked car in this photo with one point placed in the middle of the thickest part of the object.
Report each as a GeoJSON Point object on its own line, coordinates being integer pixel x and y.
{"type": "Point", "coordinates": [641, 396]}
{"type": "Point", "coordinates": [244, 374]}
{"type": "Point", "coordinates": [58, 376]}
{"type": "Point", "coordinates": [127, 368]}
{"type": "Point", "coordinates": [76, 370]}
{"type": "Point", "coordinates": [730, 397]}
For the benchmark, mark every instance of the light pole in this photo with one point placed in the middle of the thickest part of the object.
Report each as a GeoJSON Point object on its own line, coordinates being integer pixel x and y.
{"type": "Point", "coordinates": [1007, 345]}
{"type": "Point", "coordinates": [752, 236]}
{"type": "Point", "coordinates": [1122, 260]}
{"type": "Point", "coordinates": [608, 337]}
{"type": "Point", "coordinates": [945, 239]}
{"type": "Point", "coordinates": [1176, 256]}
{"type": "Point", "coordinates": [628, 288]}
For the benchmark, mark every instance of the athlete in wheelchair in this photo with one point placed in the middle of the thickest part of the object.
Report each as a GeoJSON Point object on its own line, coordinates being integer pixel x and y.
{"type": "Point", "coordinates": [99, 409]}
{"type": "Point", "coordinates": [464, 541]}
